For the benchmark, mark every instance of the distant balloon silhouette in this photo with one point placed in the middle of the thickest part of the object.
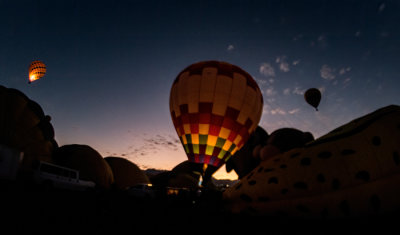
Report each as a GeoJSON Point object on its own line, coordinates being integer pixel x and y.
{"type": "Point", "coordinates": [126, 173]}
{"type": "Point", "coordinates": [90, 164]}
{"type": "Point", "coordinates": [215, 107]}
{"type": "Point", "coordinates": [37, 69]}
{"type": "Point", "coordinates": [313, 97]}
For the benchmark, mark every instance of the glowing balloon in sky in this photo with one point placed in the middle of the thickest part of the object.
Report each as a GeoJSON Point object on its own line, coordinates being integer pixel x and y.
{"type": "Point", "coordinates": [37, 69]}
{"type": "Point", "coordinates": [215, 106]}
{"type": "Point", "coordinates": [313, 97]}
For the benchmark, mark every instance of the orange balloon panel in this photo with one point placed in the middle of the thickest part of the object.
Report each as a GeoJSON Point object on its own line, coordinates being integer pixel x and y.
{"type": "Point", "coordinates": [37, 69]}
{"type": "Point", "coordinates": [215, 106]}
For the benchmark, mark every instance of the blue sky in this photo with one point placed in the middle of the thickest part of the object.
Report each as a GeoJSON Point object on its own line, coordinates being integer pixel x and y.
{"type": "Point", "coordinates": [111, 64]}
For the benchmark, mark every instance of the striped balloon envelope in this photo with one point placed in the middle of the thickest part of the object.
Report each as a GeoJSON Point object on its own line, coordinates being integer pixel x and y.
{"type": "Point", "coordinates": [215, 106]}
{"type": "Point", "coordinates": [37, 69]}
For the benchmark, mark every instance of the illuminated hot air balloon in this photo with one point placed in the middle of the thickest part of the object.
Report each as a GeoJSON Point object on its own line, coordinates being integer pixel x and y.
{"type": "Point", "coordinates": [37, 69]}
{"type": "Point", "coordinates": [313, 97]}
{"type": "Point", "coordinates": [215, 106]}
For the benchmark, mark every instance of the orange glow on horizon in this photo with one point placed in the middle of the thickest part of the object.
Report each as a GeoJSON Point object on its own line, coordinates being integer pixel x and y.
{"type": "Point", "coordinates": [163, 159]}
{"type": "Point", "coordinates": [222, 174]}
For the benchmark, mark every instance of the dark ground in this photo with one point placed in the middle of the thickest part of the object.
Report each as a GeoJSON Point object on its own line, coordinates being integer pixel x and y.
{"type": "Point", "coordinates": [32, 211]}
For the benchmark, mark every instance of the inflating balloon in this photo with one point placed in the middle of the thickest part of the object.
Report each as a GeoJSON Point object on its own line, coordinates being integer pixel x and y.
{"type": "Point", "coordinates": [351, 172]}
{"type": "Point", "coordinates": [313, 97]}
{"type": "Point", "coordinates": [37, 69]}
{"type": "Point", "coordinates": [215, 106]}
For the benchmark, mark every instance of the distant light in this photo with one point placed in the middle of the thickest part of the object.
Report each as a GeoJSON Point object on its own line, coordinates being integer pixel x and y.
{"type": "Point", "coordinates": [172, 191]}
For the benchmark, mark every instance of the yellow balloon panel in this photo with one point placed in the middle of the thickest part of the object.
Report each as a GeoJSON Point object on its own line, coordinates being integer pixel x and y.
{"type": "Point", "coordinates": [248, 104]}
{"type": "Point", "coordinates": [207, 86]}
{"type": "Point", "coordinates": [183, 91]}
{"type": "Point", "coordinates": [237, 95]}
{"type": "Point", "coordinates": [194, 93]}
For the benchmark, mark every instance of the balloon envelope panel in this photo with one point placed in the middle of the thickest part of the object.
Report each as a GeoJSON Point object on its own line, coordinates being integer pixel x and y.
{"type": "Point", "coordinates": [215, 106]}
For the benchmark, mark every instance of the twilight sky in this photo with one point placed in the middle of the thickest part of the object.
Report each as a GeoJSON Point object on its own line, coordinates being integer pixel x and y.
{"type": "Point", "coordinates": [111, 64]}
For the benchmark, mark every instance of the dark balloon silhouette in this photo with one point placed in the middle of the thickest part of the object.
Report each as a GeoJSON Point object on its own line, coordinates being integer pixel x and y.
{"type": "Point", "coordinates": [183, 176]}
{"type": "Point", "coordinates": [25, 127]}
{"type": "Point", "coordinates": [244, 161]}
{"type": "Point", "coordinates": [37, 69]}
{"type": "Point", "coordinates": [215, 107]}
{"type": "Point", "coordinates": [313, 97]}
{"type": "Point", "coordinates": [90, 164]}
{"type": "Point", "coordinates": [126, 173]}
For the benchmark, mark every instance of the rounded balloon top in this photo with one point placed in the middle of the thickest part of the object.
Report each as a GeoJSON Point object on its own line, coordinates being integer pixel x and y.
{"type": "Point", "coordinates": [37, 69]}
{"type": "Point", "coordinates": [215, 106]}
{"type": "Point", "coordinates": [313, 97]}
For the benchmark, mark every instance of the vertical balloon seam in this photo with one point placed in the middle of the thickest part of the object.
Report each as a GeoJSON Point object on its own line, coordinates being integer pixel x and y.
{"type": "Point", "coordinates": [218, 77]}
{"type": "Point", "coordinates": [241, 106]}
{"type": "Point", "coordinates": [230, 95]}
{"type": "Point", "coordinates": [219, 73]}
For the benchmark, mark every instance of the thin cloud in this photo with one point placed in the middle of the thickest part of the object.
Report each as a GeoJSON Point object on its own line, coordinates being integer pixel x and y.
{"type": "Point", "coordinates": [286, 91]}
{"type": "Point", "coordinates": [298, 91]}
{"type": "Point", "coordinates": [346, 82]}
{"type": "Point", "coordinates": [320, 42]}
{"type": "Point", "coordinates": [283, 65]}
{"type": "Point", "coordinates": [265, 109]}
{"type": "Point", "coordinates": [296, 62]}
{"type": "Point", "coordinates": [261, 81]}
{"type": "Point", "coordinates": [327, 72]}
{"type": "Point", "coordinates": [270, 100]}
{"type": "Point", "coordinates": [267, 70]}
{"type": "Point", "coordinates": [151, 145]}
{"type": "Point", "coordinates": [343, 71]}
{"type": "Point", "coordinates": [297, 37]}
{"type": "Point", "coordinates": [321, 38]}
{"type": "Point", "coordinates": [230, 47]}
{"type": "Point", "coordinates": [277, 111]}
{"type": "Point", "coordinates": [381, 7]}
{"type": "Point", "coordinates": [160, 141]}
{"type": "Point", "coordinates": [270, 91]}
